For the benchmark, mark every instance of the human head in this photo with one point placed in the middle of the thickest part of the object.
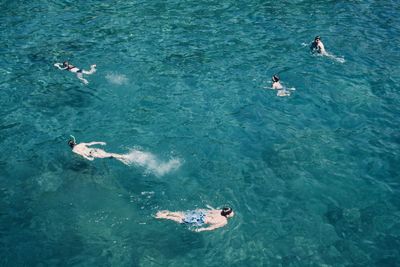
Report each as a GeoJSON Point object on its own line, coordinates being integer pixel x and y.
{"type": "Point", "coordinates": [227, 212]}
{"type": "Point", "coordinates": [71, 143]}
{"type": "Point", "coordinates": [317, 38]}
{"type": "Point", "coordinates": [275, 78]}
{"type": "Point", "coordinates": [65, 63]}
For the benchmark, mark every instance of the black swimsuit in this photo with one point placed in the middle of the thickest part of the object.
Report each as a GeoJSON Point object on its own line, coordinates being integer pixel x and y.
{"type": "Point", "coordinates": [70, 67]}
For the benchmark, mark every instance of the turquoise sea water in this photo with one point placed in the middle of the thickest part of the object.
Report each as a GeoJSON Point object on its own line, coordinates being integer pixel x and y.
{"type": "Point", "coordinates": [313, 178]}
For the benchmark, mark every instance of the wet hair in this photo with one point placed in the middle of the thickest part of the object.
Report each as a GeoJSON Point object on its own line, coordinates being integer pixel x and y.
{"type": "Point", "coordinates": [71, 143]}
{"type": "Point", "coordinates": [317, 38]}
{"type": "Point", "coordinates": [226, 211]}
{"type": "Point", "coordinates": [275, 78]}
{"type": "Point", "coordinates": [65, 63]}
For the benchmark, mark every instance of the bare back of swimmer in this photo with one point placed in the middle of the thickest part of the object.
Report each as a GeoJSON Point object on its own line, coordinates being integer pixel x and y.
{"type": "Point", "coordinates": [318, 46]}
{"type": "Point", "coordinates": [276, 84]}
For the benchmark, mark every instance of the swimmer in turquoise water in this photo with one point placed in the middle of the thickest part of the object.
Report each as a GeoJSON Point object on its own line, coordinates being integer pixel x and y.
{"type": "Point", "coordinates": [89, 153]}
{"type": "Point", "coordinates": [276, 84]}
{"type": "Point", "coordinates": [214, 218]}
{"type": "Point", "coordinates": [318, 46]}
{"type": "Point", "coordinates": [134, 157]}
{"type": "Point", "coordinates": [79, 72]}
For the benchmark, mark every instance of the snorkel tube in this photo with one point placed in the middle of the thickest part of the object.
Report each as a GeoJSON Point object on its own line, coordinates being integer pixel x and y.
{"type": "Point", "coordinates": [72, 142]}
{"type": "Point", "coordinates": [226, 211]}
{"type": "Point", "coordinates": [275, 78]}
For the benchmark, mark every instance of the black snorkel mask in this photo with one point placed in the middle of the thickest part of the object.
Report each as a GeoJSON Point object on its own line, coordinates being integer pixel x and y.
{"type": "Point", "coordinates": [226, 211]}
{"type": "Point", "coordinates": [275, 78]}
{"type": "Point", "coordinates": [72, 142]}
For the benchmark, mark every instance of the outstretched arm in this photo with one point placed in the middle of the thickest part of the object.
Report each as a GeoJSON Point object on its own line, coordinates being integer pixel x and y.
{"type": "Point", "coordinates": [94, 143]}
{"type": "Point", "coordinates": [211, 227]}
{"type": "Point", "coordinates": [58, 65]}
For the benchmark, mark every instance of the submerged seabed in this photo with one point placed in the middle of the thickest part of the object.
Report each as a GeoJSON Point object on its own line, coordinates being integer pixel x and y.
{"type": "Point", "coordinates": [313, 178]}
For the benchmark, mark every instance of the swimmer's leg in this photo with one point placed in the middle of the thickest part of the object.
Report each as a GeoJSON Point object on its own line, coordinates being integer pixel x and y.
{"type": "Point", "coordinates": [283, 92]}
{"type": "Point", "coordinates": [99, 153]}
{"type": "Point", "coordinates": [91, 71]}
{"type": "Point", "coordinates": [116, 156]}
{"type": "Point", "coordinates": [80, 77]}
{"type": "Point", "coordinates": [174, 216]}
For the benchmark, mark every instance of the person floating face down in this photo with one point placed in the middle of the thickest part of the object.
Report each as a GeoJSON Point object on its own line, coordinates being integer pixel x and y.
{"type": "Point", "coordinates": [89, 153]}
{"type": "Point", "coordinates": [318, 46]}
{"type": "Point", "coordinates": [79, 72]}
{"type": "Point", "coordinates": [214, 218]}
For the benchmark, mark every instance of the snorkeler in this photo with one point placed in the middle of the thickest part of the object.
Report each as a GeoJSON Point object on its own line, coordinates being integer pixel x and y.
{"type": "Point", "coordinates": [79, 72]}
{"type": "Point", "coordinates": [85, 151]}
{"type": "Point", "coordinates": [276, 84]}
{"type": "Point", "coordinates": [213, 218]}
{"type": "Point", "coordinates": [318, 46]}
{"type": "Point", "coordinates": [134, 157]}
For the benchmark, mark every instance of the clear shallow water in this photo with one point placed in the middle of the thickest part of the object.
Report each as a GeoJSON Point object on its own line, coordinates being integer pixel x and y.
{"type": "Point", "coordinates": [313, 177]}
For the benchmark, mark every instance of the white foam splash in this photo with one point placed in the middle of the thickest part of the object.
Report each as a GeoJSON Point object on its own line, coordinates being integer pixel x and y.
{"type": "Point", "coordinates": [285, 91]}
{"type": "Point", "coordinates": [333, 57]}
{"type": "Point", "coordinates": [150, 162]}
{"type": "Point", "coordinates": [338, 59]}
{"type": "Point", "coordinates": [118, 79]}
